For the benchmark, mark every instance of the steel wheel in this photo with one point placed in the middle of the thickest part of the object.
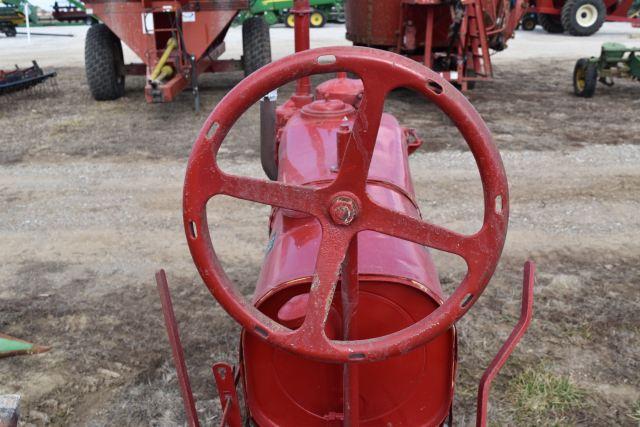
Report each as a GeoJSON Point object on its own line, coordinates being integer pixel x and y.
{"type": "Point", "coordinates": [344, 207]}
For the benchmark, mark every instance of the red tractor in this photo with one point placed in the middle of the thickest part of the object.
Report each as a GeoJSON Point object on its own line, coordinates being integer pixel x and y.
{"type": "Point", "coordinates": [348, 324]}
{"type": "Point", "coordinates": [577, 17]}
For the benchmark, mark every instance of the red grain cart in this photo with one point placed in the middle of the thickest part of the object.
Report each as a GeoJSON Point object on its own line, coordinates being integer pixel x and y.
{"type": "Point", "coordinates": [446, 36]}
{"type": "Point", "coordinates": [176, 40]}
{"type": "Point", "coordinates": [581, 17]}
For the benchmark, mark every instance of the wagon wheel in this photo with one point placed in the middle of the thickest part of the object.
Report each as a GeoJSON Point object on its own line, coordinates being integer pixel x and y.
{"type": "Point", "coordinates": [343, 208]}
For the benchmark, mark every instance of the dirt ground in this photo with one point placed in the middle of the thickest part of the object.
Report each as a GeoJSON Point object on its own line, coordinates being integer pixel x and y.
{"type": "Point", "coordinates": [90, 207]}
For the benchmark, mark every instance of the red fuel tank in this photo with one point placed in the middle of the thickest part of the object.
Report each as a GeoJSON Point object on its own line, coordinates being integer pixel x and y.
{"type": "Point", "coordinates": [398, 285]}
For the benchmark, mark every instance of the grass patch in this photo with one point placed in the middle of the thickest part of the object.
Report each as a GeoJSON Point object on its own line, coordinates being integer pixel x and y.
{"type": "Point", "coordinates": [63, 127]}
{"type": "Point", "coordinates": [635, 412]}
{"type": "Point", "coordinates": [541, 397]}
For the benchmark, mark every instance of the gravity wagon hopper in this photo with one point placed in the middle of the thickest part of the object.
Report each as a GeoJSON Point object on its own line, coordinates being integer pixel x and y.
{"type": "Point", "coordinates": [176, 40]}
{"type": "Point", "coordinates": [455, 38]}
{"type": "Point", "coordinates": [348, 323]}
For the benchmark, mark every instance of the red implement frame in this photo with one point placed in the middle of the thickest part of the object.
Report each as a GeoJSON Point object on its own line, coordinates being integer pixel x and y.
{"type": "Point", "coordinates": [226, 378]}
{"type": "Point", "coordinates": [176, 348]}
{"type": "Point", "coordinates": [526, 312]}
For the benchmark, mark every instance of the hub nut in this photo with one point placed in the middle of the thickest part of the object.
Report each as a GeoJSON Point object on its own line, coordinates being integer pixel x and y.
{"type": "Point", "coordinates": [343, 210]}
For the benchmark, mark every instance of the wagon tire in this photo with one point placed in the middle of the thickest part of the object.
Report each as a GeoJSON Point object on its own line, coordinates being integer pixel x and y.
{"type": "Point", "coordinates": [583, 17]}
{"type": "Point", "coordinates": [585, 78]}
{"type": "Point", "coordinates": [529, 23]}
{"type": "Point", "coordinates": [551, 23]}
{"type": "Point", "coordinates": [104, 63]}
{"type": "Point", "coordinates": [256, 44]}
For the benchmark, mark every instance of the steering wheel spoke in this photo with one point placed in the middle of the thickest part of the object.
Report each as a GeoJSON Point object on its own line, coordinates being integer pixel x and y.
{"type": "Point", "coordinates": [273, 193]}
{"type": "Point", "coordinates": [402, 226]}
{"type": "Point", "coordinates": [359, 151]}
{"type": "Point", "coordinates": [332, 252]}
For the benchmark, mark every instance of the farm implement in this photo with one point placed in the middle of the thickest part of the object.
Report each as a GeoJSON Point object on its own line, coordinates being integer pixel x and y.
{"type": "Point", "coordinates": [348, 324]}
{"type": "Point", "coordinates": [454, 38]}
{"type": "Point", "coordinates": [10, 346]}
{"type": "Point", "coordinates": [75, 11]}
{"type": "Point", "coordinates": [177, 40]}
{"type": "Point", "coordinates": [279, 11]}
{"type": "Point", "coordinates": [615, 61]}
{"type": "Point", "coordinates": [578, 17]}
{"type": "Point", "coordinates": [10, 18]}
{"type": "Point", "coordinates": [24, 78]}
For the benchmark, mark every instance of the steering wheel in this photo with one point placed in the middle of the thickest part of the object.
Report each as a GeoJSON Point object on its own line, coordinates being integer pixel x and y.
{"type": "Point", "coordinates": [344, 208]}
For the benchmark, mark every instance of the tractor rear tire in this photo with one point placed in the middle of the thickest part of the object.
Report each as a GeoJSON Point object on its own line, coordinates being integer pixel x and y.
{"type": "Point", "coordinates": [583, 17]}
{"type": "Point", "coordinates": [104, 63]}
{"type": "Point", "coordinates": [256, 44]}
{"type": "Point", "coordinates": [317, 19]}
{"type": "Point", "coordinates": [551, 23]}
{"type": "Point", "coordinates": [290, 20]}
{"type": "Point", "coordinates": [585, 78]}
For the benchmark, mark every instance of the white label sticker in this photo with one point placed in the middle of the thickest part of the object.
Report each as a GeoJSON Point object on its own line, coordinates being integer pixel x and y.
{"type": "Point", "coordinates": [147, 23]}
{"type": "Point", "coordinates": [188, 17]}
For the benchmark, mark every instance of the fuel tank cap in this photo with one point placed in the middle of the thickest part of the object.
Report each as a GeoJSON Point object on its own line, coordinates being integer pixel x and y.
{"type": "Point", "coordinates": [328, 108]}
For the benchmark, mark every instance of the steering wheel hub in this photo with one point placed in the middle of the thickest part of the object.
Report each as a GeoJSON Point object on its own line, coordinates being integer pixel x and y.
{"type": "Point", "coordinates": [343, 210]}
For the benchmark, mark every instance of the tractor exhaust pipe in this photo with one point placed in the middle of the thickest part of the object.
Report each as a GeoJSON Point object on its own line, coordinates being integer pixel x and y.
{"type": "Point", "coordinates": [268, 135]}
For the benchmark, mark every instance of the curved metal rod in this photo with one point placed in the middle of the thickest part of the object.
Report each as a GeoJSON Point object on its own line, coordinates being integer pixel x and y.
{"type": "Point", "coordinates": [507, 348]}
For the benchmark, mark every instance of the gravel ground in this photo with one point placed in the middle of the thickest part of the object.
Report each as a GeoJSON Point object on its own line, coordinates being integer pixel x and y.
{"type": "Point", "coordinates": [90, 207]}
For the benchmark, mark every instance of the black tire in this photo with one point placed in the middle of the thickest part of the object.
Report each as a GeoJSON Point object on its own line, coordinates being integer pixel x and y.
{"type": "Point", "coordinates": [256, 44]}
{"type": "Point", "coordinates": [529, 23]}
{"type": "Point", "coordinates": [317, 19]}
{"type": "Point", "coordinates": [104, 63]}
{"type": "Point", "coordinates": [551, 23]}
{"type": "Point", "coordinates": [10, 31]}
{"type": "Point", "coordinates": [583, 17]}
{"type": "Point", "coordinates": [585, 78]}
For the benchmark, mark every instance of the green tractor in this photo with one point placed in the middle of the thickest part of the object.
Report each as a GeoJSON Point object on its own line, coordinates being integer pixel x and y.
{"type": "Point", "coordinates": [278, 11]}
{"type": "Point", "coordinates": [615, 60]}
{"type": "Point", "coordinates": [10, 18]}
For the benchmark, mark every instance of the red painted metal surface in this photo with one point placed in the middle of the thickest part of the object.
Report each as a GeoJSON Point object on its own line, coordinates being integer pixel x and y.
{"type": "Point", "coordinates": [225, 381]}
{"type": "Point", "coordinates": [449, 37]}
{"type": "Point", "coordinates": [380, 72]}
{"type": "Point", "coordinates": [348, 324]}
{"type": "Point", "coordinates": [507, 348]}
{"type": "Point", "coordinates": [176, 349]}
